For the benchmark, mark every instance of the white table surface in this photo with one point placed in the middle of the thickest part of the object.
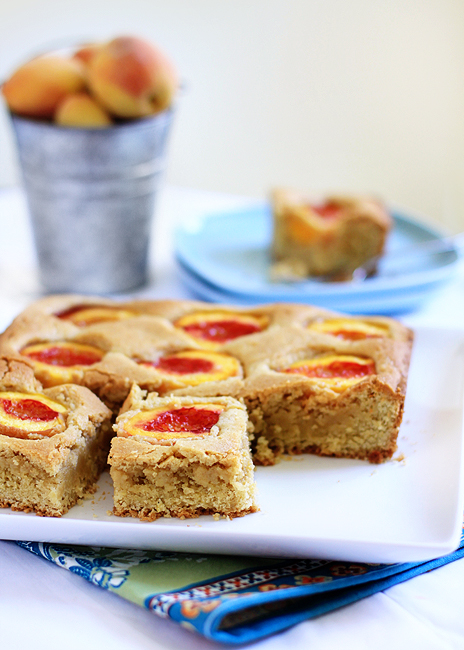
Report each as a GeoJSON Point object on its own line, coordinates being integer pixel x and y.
{"type": "Point", "coordinates": [45, 607]}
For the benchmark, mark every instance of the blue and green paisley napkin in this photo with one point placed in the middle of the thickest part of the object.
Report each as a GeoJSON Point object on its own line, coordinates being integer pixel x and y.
{"type": "Point", "coordinates": [230, 599]}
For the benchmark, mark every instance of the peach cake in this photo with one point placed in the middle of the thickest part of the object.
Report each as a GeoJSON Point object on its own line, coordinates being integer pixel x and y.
{"type": "Point", "coordinates": [181, 457]}
{"type": "Point", "coordinates": [53, 442]}
{"type": "Point", "coordinates": [310, 380]}
{"type": "Point", "coordinates": [329, 239]}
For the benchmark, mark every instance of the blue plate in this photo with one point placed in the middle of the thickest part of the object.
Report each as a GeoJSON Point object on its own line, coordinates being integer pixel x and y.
{"type": "Point", "coordinates": [225, 257]}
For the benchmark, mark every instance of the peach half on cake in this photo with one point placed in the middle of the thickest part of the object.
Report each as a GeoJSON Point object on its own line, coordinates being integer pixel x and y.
{"type": "Point", "coordinates": [339, 371]}
{"type": "Point", "coordinates": [60, 362]}
{"type": "Point", "coordinates": [213, 329]}
{"type": "Point", "coordinates": [318, 217]}
{"type": "Point", "coordinates": [350, 329]}
{"type": "Point", "coordinates": [83, 315]}
{"type": "Point", "coordinates": [193, 367]}
{"type": "Point", "coordinates": [174, 422]}
{"type": "Point", "coordinates": [30, 416]}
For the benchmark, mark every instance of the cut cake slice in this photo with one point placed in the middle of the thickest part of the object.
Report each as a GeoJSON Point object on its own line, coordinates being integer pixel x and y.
{"type": "Point", "coordinates": [331, 238]}
{"type": "Point", "coordinates": [53, 443]}
{"type": "Point", "coordinates": [181, 457]}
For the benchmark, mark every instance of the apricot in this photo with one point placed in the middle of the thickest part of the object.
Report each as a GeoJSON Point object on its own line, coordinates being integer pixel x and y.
{"type": "Point", "coordinates": [38, 86]}
{"type": "Point", "coordinates": [81, 110]}
{"type": "Point", "coordinates": [350, 329]}
{"type": "Point", "coordinates": [30, 415]}
{"type": "Point", "coordinates": [83, 315]}
{"type": "Point", "coordinates": [339, 371]}
{"type": "Point", "coordinates": [132, 78]}
{"type": "Point", "coordinates": [194, 367]}
{"type": "Point", "coordinates": [327, 210]}
{"type": "Point", "coordinates": [86, 52]}
{"type": "Point", "coordinates": [61, 362]}
{"type": "Point", "coordinates": [215, 328]}
{"type": "Point", "coordinates": [176, 422]}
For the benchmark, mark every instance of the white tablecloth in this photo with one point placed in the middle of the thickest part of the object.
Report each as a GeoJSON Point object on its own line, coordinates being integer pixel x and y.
{"type": "Point", "coordinates": [45, 607]}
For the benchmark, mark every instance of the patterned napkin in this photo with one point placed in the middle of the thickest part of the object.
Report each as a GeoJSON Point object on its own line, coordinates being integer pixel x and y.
{"type": "Point", "coordinates": [231, 599]}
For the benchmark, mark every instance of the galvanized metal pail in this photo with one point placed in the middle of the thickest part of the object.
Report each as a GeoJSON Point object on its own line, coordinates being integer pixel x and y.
{"type": "Point", "coordinates": [91, 196]}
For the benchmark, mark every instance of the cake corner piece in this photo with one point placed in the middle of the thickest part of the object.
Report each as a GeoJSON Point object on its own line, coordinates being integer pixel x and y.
{"type": "Point", "coordinates": [53, 442]}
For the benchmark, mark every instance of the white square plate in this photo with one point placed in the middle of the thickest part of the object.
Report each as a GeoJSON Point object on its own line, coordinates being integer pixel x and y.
{"type": "Point", "coordinates": [406, 510]}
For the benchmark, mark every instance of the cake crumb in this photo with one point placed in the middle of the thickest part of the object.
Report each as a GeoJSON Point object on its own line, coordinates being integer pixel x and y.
{"type": "Point", "coordinates": [109, 513]}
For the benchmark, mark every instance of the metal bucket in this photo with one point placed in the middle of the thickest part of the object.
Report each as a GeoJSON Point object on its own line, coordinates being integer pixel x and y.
{"type": "Point", "coordinates": [91, 196]}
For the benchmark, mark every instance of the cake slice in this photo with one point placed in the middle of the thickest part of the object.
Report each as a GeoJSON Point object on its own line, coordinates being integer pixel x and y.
{"type": "Point", "coordinates": [181, 457]}
{"type": "Point", "coordinates": [329, 239]}
{"type": "Point", "coordinates": [53, 443]}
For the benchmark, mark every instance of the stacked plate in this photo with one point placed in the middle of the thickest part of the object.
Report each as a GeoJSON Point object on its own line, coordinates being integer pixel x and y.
{"type": "Point", "coordinates": [225, 258]}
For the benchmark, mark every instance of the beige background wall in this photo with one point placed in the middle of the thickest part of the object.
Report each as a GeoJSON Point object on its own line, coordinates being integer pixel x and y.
{"type": "Point", "coordinates": [357, 95]}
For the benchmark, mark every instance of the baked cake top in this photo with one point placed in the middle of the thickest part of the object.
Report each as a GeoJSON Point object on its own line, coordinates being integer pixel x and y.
{"type": "Point", "coordinates": [206, 430]}
{"type": "Point", "coordinates": [198, 348]}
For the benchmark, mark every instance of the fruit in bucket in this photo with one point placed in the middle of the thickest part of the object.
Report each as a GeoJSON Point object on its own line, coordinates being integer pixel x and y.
{"type": "Point", "coordinates": [80, 109]}
{"type": "Point", "coordinates": [38, 86]}
{"type": "Point", "coordinates": [123, 79]}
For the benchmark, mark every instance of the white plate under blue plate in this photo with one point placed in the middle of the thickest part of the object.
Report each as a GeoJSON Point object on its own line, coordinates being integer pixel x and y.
{"type": "Point", "coordinates": [225, 257]}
